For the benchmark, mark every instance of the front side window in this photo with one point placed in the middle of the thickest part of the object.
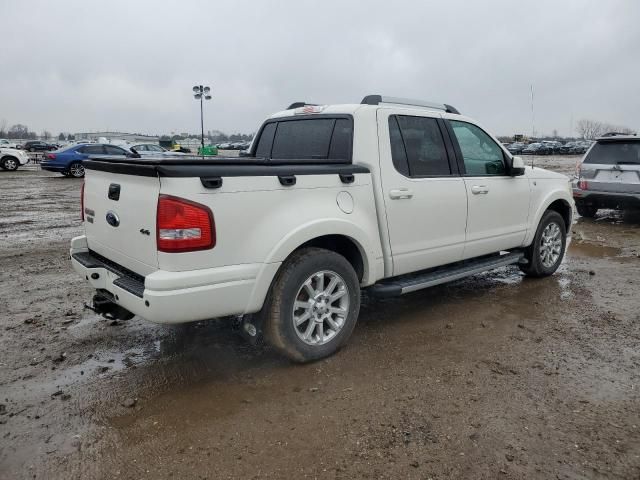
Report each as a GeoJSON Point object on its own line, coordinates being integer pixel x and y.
{"type": "Point", "coordinates": [111, 150]}
{"type": "Point", "coordinates": [481, 155]}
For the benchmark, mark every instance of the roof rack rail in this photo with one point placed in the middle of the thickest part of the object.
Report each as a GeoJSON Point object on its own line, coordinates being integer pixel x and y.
{"type": "Point", "coordinates": [614, 134]}
{"type": "Point", "coordinates": [378, 99]}
{"type": "Point", "coordinates": [301, 104]}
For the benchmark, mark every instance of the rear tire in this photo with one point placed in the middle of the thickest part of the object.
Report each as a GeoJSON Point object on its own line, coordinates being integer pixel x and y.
{"type": "Point", "coordinates": [76, 170]}
{"type": "Point", "coordinates": [588, 211]}
{"type": "Point", "coordinates": [10, 163]}
{"type": "Point", "coordinates": [313, 305]}
{"type": "Point", "coordinates": [546, 252]}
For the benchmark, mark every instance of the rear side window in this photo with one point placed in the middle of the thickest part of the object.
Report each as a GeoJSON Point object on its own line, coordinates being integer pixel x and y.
{"type": "Point", "coordinates": [266, 141]}
{"type": "Point", "coordinates": [417, 146]}
{"type": "Point", "coordinates": [307, 139]}
{"type": "Point", "coordinates": [92, 150]}
{"type": "Point", "coordinates": [612, 153]}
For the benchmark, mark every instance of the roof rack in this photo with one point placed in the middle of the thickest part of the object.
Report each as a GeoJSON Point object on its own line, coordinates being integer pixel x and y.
{"type": "Point", "coordinates": [378, 99]}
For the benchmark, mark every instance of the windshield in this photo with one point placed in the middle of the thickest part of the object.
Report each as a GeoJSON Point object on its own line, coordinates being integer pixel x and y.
{"type": "Point", "coordinates": [611, 153]}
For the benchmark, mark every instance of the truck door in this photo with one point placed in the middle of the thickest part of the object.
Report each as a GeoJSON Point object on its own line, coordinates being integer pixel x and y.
{"type": "Point", "coordinates": [498, 203]}
{"type": "Point", "coordinates": [425, 197]}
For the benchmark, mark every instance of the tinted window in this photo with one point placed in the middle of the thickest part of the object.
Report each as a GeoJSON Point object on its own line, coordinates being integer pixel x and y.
{"type": "Point", "coordinates": [92, 150]}
{"type": "Point", "coordinates": [111, 150]}
{"type": "Point", "coordinates": [341, 140]}
{"type": "Point", "coordinates": [482, 156]}
{"type": "Point", "coordinates": [266, 141]}
{"type": "Point", "coordinates": [611, 153]}
{"type": "Point", "coordinates": [304, 139]}
{"type": "Point", "coordinates": [424, 146]}
{"type": "Point", "coordinates": [398, 154]}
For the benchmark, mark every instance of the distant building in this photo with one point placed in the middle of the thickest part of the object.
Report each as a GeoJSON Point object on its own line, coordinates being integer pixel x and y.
{"type": "Point", "coordinates": [116, 137]}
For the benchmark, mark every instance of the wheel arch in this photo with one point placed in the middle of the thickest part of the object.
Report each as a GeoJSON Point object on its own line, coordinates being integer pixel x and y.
{"type": "Point", "coordinates": [342, 237]}
{"type": "Point", "coordinates": [557, 201]}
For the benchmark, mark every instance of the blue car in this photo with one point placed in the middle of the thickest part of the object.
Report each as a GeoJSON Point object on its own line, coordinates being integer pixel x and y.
{"type": "Point", "coordinates": [68, 161]}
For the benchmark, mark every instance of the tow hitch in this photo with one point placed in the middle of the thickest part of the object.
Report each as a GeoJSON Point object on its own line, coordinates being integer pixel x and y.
{"type": "Point", "coordinates": [103, 304]}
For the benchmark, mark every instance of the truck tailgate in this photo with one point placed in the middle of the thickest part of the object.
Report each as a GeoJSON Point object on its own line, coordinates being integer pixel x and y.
{"type": "Point", "coordinates": [120, 218]}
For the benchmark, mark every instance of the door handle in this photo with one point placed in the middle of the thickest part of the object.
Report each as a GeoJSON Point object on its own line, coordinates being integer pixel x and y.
{"type": "Point", "coordinates": [479, 190]}
{"type": "Point", "coordinates": [400, 193]}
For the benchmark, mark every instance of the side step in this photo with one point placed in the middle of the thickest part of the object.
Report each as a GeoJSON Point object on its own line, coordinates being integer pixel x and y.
{"type": "Point", "coordinates": [428, 278]}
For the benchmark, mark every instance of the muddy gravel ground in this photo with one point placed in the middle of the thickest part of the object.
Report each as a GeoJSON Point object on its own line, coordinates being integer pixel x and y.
{"type": "Point", "coordinates": [496, 376]}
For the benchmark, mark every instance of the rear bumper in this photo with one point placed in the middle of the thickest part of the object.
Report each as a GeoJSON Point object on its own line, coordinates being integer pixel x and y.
{"type": "Point", "coordinates": [176, 297]}
{"type": "Point", "coordinates": [606, 199]}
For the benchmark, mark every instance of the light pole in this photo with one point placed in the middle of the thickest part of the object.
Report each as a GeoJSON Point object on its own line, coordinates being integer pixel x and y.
{"type": "Point", "coordinates": [201, 93]}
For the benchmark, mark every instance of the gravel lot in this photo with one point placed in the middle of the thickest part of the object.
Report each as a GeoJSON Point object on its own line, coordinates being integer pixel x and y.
{"type": "Point", "coordinates": [495, 376]}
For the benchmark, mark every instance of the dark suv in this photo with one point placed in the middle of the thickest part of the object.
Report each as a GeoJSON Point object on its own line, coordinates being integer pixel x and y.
{"type": "Point", "coordinates": [609, 175]}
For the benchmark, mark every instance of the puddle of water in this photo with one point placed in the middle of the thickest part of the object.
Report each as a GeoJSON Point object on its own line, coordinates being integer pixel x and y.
{"type": "Point", "coordinates": [592, 250]}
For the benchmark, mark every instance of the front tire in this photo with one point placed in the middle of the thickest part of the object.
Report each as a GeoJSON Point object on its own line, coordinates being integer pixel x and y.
{"type": "Point", "coordinates": [313, 305]}
{"type": "Point", "coordinates": [76, 170]}
{"type": "Point", "coordinates": [546, 252]}
{"type": "Point", "coordinates": [10, 163]}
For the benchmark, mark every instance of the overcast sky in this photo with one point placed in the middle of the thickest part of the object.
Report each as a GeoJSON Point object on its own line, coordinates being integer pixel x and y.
{"type": "Point", "coordinates": [130, 65]}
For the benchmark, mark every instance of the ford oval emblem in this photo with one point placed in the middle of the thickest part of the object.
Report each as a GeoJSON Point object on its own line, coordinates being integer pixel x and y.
{"type": "Point", "coordinates": [113, 219]}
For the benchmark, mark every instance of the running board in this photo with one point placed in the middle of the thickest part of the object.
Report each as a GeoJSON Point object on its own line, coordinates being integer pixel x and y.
{"type": "Point", "coordinates": [411, 282]}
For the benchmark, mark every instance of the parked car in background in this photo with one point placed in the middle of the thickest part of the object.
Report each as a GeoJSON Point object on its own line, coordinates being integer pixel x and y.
{"type": "Point", "coordinates": [4, 143]}
{"type": "Point", "coordinates": [12, 158]}
{"type": "Point", "coordinates": [150, 149]}
{"type": "Point", "coordinates": [553, 145]}
{"type": "Point", "coordinates": [516, 147]}
{"type": "Point", "coordinates": [224, 146]}
{"type": "Point", "coordinates": [579, 148]}
{"type": "Point", "coordinates": [288, 244]}
{"type": "Point", "coordinates": [537, 149]}
{"type": "Point", "coordinates": [38, 146]}
{"type": "Point", "coordinates": [609, 175]}
{"type": "Point", "coordinates": [68, 161]}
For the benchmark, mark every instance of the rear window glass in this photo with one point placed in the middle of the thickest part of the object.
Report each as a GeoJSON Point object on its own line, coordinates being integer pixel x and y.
{"type": "Point", "coordinates": [307, 139]}
{"type": "Point", "coordinates": [611, 153]}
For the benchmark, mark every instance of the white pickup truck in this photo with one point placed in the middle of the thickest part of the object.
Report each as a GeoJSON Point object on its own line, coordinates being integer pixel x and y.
{"type": "Point", "coordinates": [389, 195]}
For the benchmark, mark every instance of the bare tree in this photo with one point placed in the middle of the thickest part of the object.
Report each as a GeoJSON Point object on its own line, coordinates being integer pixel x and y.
{"type": "Point", "coordinates": [46, 134]}
{"type": "Point", "coordinates": [590, 129]}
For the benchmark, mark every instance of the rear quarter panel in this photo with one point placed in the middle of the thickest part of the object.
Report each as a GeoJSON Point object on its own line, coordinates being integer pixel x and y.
{"type": "Point", "coordinates": [257, 220]}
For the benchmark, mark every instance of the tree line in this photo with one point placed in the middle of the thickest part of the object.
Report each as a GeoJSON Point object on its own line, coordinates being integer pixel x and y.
{"type": "Point", "coordinates": [591, 129]}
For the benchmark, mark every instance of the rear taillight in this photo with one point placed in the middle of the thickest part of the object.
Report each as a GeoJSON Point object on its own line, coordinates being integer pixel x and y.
{"type": "Point", "coordinates": [82, 201]}
{"type": "Point", "coordinates": [583, 185]}
{"type": "Point", "coordinates": [51, 156]}
{"type": "Point", "coordinates": [183, 225]}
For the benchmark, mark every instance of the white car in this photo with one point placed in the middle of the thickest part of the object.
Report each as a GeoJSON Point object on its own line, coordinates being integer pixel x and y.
{"type": "Point", "coordinates": [153, 150]}
{"type": "Point", "coordinates": [12, 158]}
{"type": "Point", "coordinates": [4, 143]}
{"type": "Point", "coordinates": [389, 195]}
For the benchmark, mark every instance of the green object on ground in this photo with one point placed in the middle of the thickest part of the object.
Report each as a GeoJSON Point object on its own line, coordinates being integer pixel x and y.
{"type": "Point", "coordinates": [208, 150]}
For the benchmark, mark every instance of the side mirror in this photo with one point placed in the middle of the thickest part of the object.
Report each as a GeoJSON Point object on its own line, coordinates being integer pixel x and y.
{"type": "Point", "coordinates": [517, 167]}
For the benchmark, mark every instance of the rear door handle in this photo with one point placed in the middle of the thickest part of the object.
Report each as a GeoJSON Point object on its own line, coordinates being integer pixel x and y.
{"type": "Point", "coordinates": [400, 193]}
{"type": "Point", "coordinates": [479, 190]}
